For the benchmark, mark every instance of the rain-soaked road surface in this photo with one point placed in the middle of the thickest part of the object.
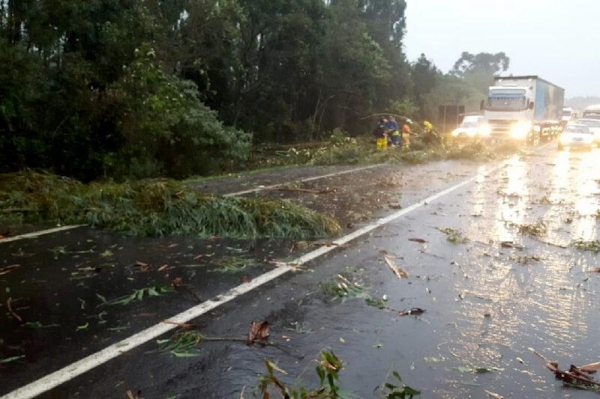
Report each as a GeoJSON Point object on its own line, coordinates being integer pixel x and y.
{"type": "Point", "coordinates": [497, 274]}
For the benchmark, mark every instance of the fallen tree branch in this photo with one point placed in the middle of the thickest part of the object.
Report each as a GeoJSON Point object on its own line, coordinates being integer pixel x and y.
{"type": "Point", "coordinates": [575, 376]}
{"type": "Point", "coordinates": [412, 312]}
{"type": "Point", "coordinates": [303, 190]}
{"type": "Point", "coordinates": [549, 243]}
{"type": "Point", "coordinates": [8, 269]}
{"type": "Point", "coordinates": [395, 269]}
{"type": "Point", "coordinates": [12, 312]}
{"type": "Point", "coordinates": [281, 347]}
{"type": "Point", "coordinates": [18, 210]}
{"type": "Point", "coordinates": [182, 325]}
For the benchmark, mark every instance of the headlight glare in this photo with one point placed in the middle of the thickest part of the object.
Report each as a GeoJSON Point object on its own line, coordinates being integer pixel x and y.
{"type": "Point", "coordinates": [485, 129]}
{"type": "Point", "coordinates": [520, 130]}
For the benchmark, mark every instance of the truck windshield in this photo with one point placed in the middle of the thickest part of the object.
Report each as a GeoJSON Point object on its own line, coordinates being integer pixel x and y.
{"type": "Point", "coordinates": [506, 100]}
{"type": "Point", "coordinates": [589, 122]}
{"type": "Point", "coordinates": [591, 114]}
{"type": "Point", "coordinates": [576, 129]}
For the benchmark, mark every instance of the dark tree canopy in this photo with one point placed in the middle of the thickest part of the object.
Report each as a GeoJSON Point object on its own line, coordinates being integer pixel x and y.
{"type": "Point", "coordinates": [131, 88]}
{"type": "Point", "coordinates": [482, 62]}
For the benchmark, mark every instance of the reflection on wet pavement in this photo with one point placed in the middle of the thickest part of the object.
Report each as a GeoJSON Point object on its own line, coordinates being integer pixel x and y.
{"type": "Point", "coordinates": [508, 288]}
{"type": "Point", "coordinates": [529, 294]}
{"type": "Point", "coordinates": [489, 300]}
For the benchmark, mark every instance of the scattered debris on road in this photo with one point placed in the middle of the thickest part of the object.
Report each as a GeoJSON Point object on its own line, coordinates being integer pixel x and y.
{"type": "Point", "coordinates": [137, 295]}
{"type": "Point", "coordinates": [494, 395]}
{"type": "Point", "coordinates": [453, 235]}
{"type": "Point", "coordinates": [259, 332]}
{"type": "Point", "coordinates": [144, 267]}
{"type": "Point", "coordinates": [412, 312]}
{"type": "Point", "coordinates": [11, 311]}
{"type": "Point", "coordinates": [395, 269]}
{"type": "Point", "coordinates": [8, 269]}
{"type": "Point", "coordinates": [577, 377]}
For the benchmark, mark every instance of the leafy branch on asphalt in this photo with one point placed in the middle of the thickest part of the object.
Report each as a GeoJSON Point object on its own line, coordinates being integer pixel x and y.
{"type": "Point", "coordinates": [137, 295]}
{"type": "Point", "coordinates": [155, 208]}
{"type": "Point", "coordinates": [579, 377]}
{"type": "Point", "coordinates": [454, 236]}
{"type": "Point", "coordinates": [591, 246]}
{"type": "Point", "coordinates": [537, 229]}
{"type": "Point", "coordinates": [343, 288]}
{"type": "Point", "coordinates": [328, 367]}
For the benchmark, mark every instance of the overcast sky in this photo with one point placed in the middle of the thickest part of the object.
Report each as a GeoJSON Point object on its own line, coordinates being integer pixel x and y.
{"type": "Point", "coordinates": [559, 40]}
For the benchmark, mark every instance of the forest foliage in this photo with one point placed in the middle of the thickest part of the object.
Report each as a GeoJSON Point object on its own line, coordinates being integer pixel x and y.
{"type": "Point", "coordinates": [127, 89]}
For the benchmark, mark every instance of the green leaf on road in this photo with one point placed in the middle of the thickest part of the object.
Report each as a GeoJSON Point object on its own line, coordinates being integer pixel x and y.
{"type": "Point", "coordinates": [11, 359]}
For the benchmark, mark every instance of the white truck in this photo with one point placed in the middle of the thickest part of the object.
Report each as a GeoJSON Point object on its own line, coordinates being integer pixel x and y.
{"type": "Point", "coordinates": [567, 115]}
{"type": "Point", "coordinates": [591, 112]}
{"type": "Point", "coordinates": [523, 108]}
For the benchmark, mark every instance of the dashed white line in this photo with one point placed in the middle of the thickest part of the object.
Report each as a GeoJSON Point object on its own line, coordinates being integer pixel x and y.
{"type": "Point", "coordinates": [40, 233]}
{"type": "Point", "coordinates": [88, 363]}
{"type": "Point", "coordinates": [307, 179]}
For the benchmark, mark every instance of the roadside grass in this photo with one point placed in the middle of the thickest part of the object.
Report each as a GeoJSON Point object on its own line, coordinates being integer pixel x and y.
{"type": "Point", "coordinates": [155, 208]}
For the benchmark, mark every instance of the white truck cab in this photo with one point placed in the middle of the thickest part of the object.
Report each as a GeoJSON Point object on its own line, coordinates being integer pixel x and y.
{"type": "Point", "coordinates": [567, 115]}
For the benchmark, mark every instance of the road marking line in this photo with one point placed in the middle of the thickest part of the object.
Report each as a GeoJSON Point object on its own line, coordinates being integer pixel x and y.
{"type": "Point", "coordinates": [40, 233]}
{"type": "Point", "coordinates": [88, 363]}
{"type": "Point", "coordinates": [307, 179]}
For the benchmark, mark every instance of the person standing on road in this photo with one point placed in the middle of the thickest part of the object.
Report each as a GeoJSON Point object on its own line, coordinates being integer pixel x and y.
{"type": "Point", "coordinates": [391, 128]}
{"type": "Point", "coordinates": [380, 134]}
{"type": "Point", "coordinates": [406, 134]}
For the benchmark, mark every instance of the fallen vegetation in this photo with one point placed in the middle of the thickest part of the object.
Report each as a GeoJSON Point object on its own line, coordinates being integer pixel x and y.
{"type": "Point", "coordinates": [454, 236]}
{"type": "Point", "coordinates": [341, 149]}
{"type": "Point", "coordinates": [591, 246]}
{"type": "Point", "coordinates": [327, 368]}
{"type": "Point", "coordinates": [580, 377]}
{"type": "Point", "coordinates": [343, 288]}
{"type": "Point", "coordinates": [536, 229]}
{"type": "Point", "coordinates": [137, 296]}
{"type": "Point", "coordinates": [154, 208]}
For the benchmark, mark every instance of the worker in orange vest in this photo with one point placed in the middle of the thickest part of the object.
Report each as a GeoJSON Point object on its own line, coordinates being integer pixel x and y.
{"type": "Point", "coordinates": [406, 134]}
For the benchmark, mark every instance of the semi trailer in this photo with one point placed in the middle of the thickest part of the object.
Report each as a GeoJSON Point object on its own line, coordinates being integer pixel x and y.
{"type": "Point", "coordinates": [523, 108]}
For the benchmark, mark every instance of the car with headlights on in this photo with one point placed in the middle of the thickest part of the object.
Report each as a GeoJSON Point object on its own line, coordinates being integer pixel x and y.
{"type": "Point", "coordinates": [576, 136]}
{"type": "Point", "coordinates": [594, 125]}
{"type": "Point", "coordinates": [470, 127]}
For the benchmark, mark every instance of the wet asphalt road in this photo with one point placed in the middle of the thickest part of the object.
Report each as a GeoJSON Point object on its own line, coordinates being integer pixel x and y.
{"type": "Point", "coordinates": [497, 274]}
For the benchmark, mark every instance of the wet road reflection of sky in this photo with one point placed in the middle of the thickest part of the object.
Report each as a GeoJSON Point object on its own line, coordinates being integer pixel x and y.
{"type": "Point", "coordinates": [540, 295]}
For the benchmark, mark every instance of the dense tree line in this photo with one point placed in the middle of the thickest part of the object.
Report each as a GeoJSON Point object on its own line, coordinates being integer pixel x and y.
{"type": "Point", "coordinates": [131, 88]}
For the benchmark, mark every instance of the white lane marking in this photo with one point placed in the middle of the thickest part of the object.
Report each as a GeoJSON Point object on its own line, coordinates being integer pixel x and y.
{"type": "Point", "coordinates": [88, 363]}
{"type": "Point", "coordinates": [40, 233]}
{"type": "Point", "coordinates": [307, 179]}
